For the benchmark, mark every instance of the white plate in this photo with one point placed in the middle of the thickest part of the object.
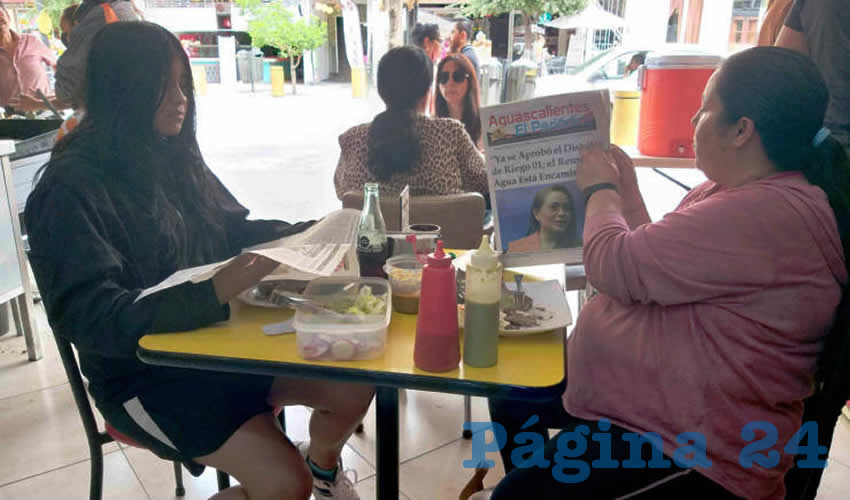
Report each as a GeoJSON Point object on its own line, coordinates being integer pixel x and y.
{"type": "Point", "coordinates": [550, 295]}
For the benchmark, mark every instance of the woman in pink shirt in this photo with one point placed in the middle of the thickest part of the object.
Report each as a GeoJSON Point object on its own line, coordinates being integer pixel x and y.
{"type": "Point", "coordinates": [22, 59]}
{"type": "Point", "coordinates": [709, 323]}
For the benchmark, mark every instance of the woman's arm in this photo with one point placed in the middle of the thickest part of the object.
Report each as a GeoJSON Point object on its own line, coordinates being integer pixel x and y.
{"type": "Point", "coordinates": [634, 208]}
{"type": "Point", "coordinates": [473, 170]}
{"type": "Point", "coordinates": [82, 278]}
{"type": "Point", "coordinates": [697, 252]}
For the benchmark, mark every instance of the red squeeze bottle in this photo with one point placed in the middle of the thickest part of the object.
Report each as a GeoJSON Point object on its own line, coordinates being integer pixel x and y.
{"type": "Point", "coordinates": [437, 347]}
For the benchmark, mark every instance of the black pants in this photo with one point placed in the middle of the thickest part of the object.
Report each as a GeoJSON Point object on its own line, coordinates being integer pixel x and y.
{"type": "Point", "coordinates": [541, 483]}
{"type": "Point", "coordinates": [513, 414]}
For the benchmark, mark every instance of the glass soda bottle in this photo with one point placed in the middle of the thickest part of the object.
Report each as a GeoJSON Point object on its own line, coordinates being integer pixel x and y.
{"type": "Point", "coordinates": [372, 247]}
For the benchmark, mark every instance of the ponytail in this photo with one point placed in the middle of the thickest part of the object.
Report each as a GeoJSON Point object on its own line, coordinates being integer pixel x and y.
{"type": "Point", "coordinates": [393, 143]}
{"type": "Point", "coordinates": [828, 168]}
{"type": "Point", "coordinates": [405, 75]}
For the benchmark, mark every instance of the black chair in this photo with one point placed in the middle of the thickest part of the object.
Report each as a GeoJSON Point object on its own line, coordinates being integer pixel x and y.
{"type": "Point", "coordinates": [832, 390]}
{"type": "Point", "coordinates": [97, 439]}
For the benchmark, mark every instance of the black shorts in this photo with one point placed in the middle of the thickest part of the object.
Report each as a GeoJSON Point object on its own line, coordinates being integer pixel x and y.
{"type": "Point", "coordinates": [183, 414]}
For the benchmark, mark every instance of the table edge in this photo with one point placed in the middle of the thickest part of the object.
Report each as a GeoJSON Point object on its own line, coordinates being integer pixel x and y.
{"type": "Point", "coordinates": [387, 379]}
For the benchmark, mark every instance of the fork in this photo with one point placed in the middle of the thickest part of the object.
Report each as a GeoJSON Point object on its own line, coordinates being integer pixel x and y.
{"type": "Point", "coordinates": [516, 300]}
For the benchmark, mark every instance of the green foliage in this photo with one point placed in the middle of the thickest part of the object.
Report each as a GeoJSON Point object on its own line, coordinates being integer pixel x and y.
{"type": "Point", "coordinates": [481, 8]}
{"type": "Point", "coordinates": [54, 9]}
{"type": "Point", "coordinates": [274, 24]}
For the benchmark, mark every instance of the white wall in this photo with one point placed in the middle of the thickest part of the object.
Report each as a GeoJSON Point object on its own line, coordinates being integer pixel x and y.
{"type": "Point", "coordinates": [183, 19]}
{"type": "Point", "coordinates": [716, 23]}
{"type": "Point", "coordinates": [646, 22]}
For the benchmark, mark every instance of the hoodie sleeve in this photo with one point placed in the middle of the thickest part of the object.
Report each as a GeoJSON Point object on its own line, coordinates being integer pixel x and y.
{"type": "Point", "coordinates": [82, 276]}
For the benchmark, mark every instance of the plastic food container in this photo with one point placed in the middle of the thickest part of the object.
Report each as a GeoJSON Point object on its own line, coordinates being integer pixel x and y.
{"type": "Point", "coordinates": [361, 330]}
{"type": "Point", "coordinates": [405, 273]}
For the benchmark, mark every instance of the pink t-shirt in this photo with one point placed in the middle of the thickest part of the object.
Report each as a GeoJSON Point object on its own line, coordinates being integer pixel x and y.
{"type": "Point", "coordinates": [710, 319]}
{"type": "Point", "coordinates": [24, 72]}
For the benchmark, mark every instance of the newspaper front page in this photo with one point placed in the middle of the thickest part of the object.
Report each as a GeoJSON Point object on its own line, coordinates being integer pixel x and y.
{"type": "Point", "coordinates": [533, 149]}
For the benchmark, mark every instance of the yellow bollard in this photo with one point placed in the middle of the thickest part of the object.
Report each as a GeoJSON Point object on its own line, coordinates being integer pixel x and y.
{"type": "Point", "coordinates": [358, 82]}
{"type": "Point", "coordinates": [277, 81]}
{"type": "Point", "coordinates": [200, 77]}
{"type": "Point", "coordinates": [624, 118]}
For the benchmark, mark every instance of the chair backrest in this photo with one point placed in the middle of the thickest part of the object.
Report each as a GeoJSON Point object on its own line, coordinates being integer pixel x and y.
{"type": "Point", "coordinates": [832, 391]}
{"type": "Point", "coordinates": [95, 437]}
{"type": "Point", "coordinates": [460, 216]}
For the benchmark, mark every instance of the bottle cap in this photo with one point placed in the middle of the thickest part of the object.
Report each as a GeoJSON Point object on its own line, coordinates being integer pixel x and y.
{"type": "Point", "coordinates": [439, 258]}
{"type": "Point", "coordinates": [484, 256]}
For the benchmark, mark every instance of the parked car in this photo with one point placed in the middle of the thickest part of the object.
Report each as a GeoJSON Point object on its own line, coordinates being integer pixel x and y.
{"type": "Point", "coordinates": [606, 70]}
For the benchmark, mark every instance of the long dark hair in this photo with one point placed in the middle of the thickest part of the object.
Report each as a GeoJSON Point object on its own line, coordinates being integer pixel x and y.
{"type": "Point", "coordinates": [405, 75]}
{"type": "Point", "coordinates": [471, 114]}
{"type": "Point", "coordinates": [537, 204]}
{"type": "Point", "coordinates": [785, 95]}
{"type": "Point", "coordinates": [129, 67]}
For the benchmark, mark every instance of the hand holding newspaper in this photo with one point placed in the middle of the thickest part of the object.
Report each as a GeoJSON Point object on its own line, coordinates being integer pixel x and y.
{"type": "Point", "coordinates": [326, 248]}
{"type": "Point", "coordinates": [533, 149]}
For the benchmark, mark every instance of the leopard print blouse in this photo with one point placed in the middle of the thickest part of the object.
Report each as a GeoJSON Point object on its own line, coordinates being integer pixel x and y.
{"type": "Point", "coordinates": [450, 163]}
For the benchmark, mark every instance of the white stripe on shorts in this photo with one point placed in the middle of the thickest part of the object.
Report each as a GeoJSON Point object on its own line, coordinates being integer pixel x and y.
{"type": "Point", "coordinates": [139, 415]}
{"type": "Point", "coordinates": [655, 484]}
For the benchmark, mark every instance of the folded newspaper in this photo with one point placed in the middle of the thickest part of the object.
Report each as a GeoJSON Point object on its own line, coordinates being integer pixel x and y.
{"type": "Point", "coordinates": [533, 149]}
{"type": "Point", "coordinates": [327, 248]}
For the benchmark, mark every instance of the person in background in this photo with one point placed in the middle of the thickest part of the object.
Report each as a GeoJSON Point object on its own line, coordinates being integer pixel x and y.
{"type": "Point", "coordinates": [402, 146]}
{"type": "Point", "coordinates": [125, 201]}
{"type": "Point", "coordinates": [635, 62]}
{"type": "Point", "coordinates": [22, 63]}
{"type": "Point", "coordinates": [461, 43]}
{"type": "Point", "coordinates": [427, 37]}
{"type": "Point", "coordinates": [552, 222]}
{"type": "Point", "coordinates": [66, 24]}
{"type": "Point", "coordinates": [774, 19]}
{"type": "Point", "coordinates": [697, 326]}
{"type": "Point", "coordinates": [458, 95]}
{"type": "Point", "coordinates": [821, 30]}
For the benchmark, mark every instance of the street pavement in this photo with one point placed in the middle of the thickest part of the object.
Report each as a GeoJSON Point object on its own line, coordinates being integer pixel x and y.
{"type": "Point", "coordinates": [277, 155]}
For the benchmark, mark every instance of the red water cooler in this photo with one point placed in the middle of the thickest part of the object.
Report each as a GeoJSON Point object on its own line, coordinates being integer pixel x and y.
{"type": "Point", "coordinates": [672, 87]}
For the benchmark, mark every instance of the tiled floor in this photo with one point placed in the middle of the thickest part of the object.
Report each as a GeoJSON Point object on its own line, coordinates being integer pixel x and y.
{"type": "Point", "coordinates": [44, 452]}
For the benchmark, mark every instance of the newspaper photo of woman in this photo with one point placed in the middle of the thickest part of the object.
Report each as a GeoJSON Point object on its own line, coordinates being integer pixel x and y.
{"type": "Point", "coordinates": [552, 222]}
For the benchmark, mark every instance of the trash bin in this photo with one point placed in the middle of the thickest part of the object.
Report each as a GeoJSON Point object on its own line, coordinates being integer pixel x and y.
{"type": "Point", "coordinates": [249, 65]}
{"type": "Point", "coordinates": [520, 80]}
{"type": "Point", "coordinates": [492, 73]}
{"type": "Point", "coordinates": [624, 118]}
{"type": "Point", "coordinates": [278, 80]}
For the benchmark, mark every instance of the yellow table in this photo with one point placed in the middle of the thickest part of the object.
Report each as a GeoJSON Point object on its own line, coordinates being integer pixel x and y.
{"type": "Point", "coordinates": [530, 367]}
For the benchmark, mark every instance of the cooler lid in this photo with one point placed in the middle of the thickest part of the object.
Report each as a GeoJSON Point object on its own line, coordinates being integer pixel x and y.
{"type": "Point", "coordinates": [660, 60]}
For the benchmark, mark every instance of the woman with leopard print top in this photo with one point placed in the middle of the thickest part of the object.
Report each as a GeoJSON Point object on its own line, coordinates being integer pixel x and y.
{"type": "Point", "coordinates": [401, 146]}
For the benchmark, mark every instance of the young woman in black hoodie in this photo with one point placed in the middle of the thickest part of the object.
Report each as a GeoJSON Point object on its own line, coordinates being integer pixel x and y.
{"type": "Point", "coordinates": [125, 201]}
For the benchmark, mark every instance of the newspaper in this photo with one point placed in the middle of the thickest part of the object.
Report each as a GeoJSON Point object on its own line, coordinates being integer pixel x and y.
{"type": "Point", "coordinates": [327, 248]}
{"type": "Point", "coordinates": [533, 148]}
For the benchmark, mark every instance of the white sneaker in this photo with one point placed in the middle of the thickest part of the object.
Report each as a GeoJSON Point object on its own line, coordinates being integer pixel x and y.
{"type": "Point", "coordinates": [342, 488]}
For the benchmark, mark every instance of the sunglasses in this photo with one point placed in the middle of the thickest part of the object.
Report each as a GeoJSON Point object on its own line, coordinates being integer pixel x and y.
{"type": "Point", "coordinates": [458, 76]}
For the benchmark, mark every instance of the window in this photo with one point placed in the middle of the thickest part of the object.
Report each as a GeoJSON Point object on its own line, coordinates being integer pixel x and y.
{"type": "Point", "coordinates": [616, 69]}
{"type": "Point", "coordinates": [744, 32]}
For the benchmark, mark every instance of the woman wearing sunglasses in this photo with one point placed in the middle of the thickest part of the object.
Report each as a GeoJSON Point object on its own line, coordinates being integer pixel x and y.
{"type": "Point", "coordinates": [402, 146]}
{"type": "Point", "coordinates": [457, 95]}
